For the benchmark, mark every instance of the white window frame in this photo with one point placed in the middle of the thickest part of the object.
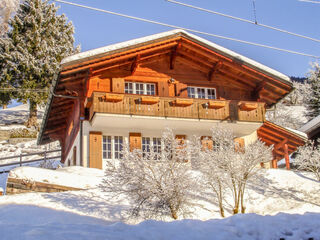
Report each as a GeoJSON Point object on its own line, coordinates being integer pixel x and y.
{"type": "Point", "coordinates": [196, 89]}
{"type": "Point", "coordinates": [113, 143]}
{"type": "Point", "coordinates": [145, 88]}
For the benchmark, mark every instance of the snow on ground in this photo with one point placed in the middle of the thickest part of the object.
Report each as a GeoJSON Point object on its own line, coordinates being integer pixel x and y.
{"type": "Point", "coordinates": [16, 116]}
{"type": "Point", "coordinates": [96, 214]}
{"type": "Point", "coordinates": [44, 223]}
{"type": "Point", "coordinates": [77, 177]}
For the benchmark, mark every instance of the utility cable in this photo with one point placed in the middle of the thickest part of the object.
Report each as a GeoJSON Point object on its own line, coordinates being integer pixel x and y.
{"type": "Point", "coordinates": [22, 90]}
{"type": "Point", "coordinates": [309, 1]}
{"type": "Point", "coordinates": [188, 29]}
{"type": "Point", "coordinates": [246, 20]}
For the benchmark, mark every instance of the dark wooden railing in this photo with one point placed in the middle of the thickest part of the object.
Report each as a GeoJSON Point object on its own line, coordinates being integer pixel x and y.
{"type": "Point", "coordinates": [129, 104]}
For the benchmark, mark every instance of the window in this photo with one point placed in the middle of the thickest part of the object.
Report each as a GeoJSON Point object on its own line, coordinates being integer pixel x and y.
{"type": "Point", "coordinates": [118, 141]}
{"type": "Point", "coordinates": [106, 147]}
{"type": "Point", "coordinates": [151, 143]}
{"type": "Point", "coordinates": [205, 93]}
{"type": "Point", "coordinates": [156, 144]}
{"type": "Point", "coordinates": [112, 147]}
{"type": "Point", "coordinates": [140, 88]}
{"type": "Point", "coordinates": [128, 87]}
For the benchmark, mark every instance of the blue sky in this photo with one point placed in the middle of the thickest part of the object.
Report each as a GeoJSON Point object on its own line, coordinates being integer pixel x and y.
{"type": "Point", "coordinates": [95, 29]}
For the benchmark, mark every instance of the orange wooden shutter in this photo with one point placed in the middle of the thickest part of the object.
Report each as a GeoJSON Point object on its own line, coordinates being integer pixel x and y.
{"type": "Point", "coordinates": [135, 141]}
{"type": "Point", "coordinates": [181, 139]}
{"type": "Point", "coordinates": [181, 90]}
{"type": "Point", "coordinates": [95, 150]}
{"type": "Point", "coordinates": [163, 89]}
{"type": "Point", "coordinates": [207, 143]}
{"type": "Point", "coordinates": [239, 144]}
{"type": "Point", "coordinates": [118, 85]}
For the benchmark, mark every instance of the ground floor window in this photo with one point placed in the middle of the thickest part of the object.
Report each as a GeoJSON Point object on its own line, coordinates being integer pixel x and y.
{"type": "Point", "coordinates": [112, 147]}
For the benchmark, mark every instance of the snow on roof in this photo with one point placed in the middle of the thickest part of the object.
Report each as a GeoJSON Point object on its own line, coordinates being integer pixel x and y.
{"type": "Point", "coordinates": [110, 48]}
{"type": "Point", "coordinates": [297, 132]}
{"type": "Point", "coordinates": [311, 125]}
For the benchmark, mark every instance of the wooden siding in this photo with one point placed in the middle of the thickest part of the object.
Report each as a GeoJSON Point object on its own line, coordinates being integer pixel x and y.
{"type": "Point", "coordinates": [95, 150]}
{"type": "Point", "coordinates": [166, 107]}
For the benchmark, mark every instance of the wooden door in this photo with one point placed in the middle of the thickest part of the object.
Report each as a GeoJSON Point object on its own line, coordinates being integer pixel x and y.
{"type": "Point", "coordinates": [95, 150]}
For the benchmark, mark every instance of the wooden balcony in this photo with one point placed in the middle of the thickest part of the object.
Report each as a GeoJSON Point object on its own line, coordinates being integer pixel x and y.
{"type": "Point", "coordinates": [224, 110]}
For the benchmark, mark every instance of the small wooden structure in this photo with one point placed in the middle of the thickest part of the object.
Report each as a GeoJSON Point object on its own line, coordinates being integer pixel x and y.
{"type": "Point", "coordinates": [284, 141]}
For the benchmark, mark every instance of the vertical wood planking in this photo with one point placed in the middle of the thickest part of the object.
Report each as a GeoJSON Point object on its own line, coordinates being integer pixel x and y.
{"type": "Point", "coordinates": [95, 150]}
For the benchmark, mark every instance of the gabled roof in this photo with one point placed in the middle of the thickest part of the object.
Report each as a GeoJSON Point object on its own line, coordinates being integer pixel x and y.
{"type": "Point", "coordinates": [273, 134]}
{"type": "Point", "coordinates": [270, 85]}
{"type": "Point", "coordinates": [311, 127]}
{"type": "Point", "coordinates": [123, 46]}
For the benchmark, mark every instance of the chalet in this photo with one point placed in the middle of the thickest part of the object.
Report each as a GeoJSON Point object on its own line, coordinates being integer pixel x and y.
{"type": "Point", "coordinates": [132, 90]}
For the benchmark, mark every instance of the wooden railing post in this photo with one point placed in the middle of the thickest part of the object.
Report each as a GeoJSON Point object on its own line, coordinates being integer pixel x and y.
{"type": "Point", "coordinates": [286, 156]}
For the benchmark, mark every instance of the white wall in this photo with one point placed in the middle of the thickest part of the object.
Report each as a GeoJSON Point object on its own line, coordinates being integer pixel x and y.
{"type": "Point", "coordinates": [112, 127]}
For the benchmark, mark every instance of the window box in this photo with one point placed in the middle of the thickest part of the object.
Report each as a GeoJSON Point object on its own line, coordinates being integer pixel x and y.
{"type": "Point", "coordinates": [183, 102]}
{"type": "Point", "coordinates": [248, 106]}
{"type": "Point", "coordinates": [112, 97]}
{"type": "Point", "coordinates": [216, 104]}
{"type": "Point", "coordinates": [149, 100]}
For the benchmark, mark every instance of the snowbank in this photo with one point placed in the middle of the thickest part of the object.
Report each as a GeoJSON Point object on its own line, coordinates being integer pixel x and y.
{"type": "Point", "coordinates": [77, 177]}
{"type": "Point", "coordinates": [44, 223]}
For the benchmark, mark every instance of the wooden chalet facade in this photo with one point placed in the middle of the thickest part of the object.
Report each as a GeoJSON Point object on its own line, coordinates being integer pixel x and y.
{"type": "Point", "coordinates": [132, 90]}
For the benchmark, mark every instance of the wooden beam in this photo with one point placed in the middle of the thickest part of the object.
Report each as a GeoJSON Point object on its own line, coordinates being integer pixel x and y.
{"type": "Point", "coordinates": [274, 133]}
{"type": "Point", "coordinates": [173, 55]}
{"type": "Point", "coordinates": [121, 56]}
{"type": "Point", "coordinates": [215, 68]}
{"type": "Point", "coordinates": [286, 156]}
{"type": "Point", "coordinates": [238, 78]}
{"type": "Point", "coordinates": [135, 64]}
{"type": "Point", "coordinates": [233, 82]}
{"type": "Point", "coordinates": [192, 64]}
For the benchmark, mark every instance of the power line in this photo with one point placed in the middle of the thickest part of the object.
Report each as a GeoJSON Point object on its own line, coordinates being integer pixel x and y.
{"type": "Point", "coordinates": [188, 29]}
{"type": "Point", "coordinates": [309, 1]}
{"type": "Point", "coordinates": [248, 21]}
{"type": "Point", "coordinates": [23, 90]}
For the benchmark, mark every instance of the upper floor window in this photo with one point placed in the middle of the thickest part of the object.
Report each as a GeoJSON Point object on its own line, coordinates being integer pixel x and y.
{"type": "Point", "coordinates": [199, 92]}
{"type": "Point", "coordinates": [140, 88]}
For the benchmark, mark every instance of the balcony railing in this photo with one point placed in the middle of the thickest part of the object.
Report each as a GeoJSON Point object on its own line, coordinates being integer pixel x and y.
{"type": "Point", "coordinates": [176, 107]}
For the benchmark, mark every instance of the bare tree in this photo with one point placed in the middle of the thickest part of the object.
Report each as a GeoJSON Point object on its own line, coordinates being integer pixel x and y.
{"type": "Point", "coordinates": [227, 167]}
{"type": "Point", "coordinates": [308, 158]}
{"type": "Point", "coordinates": [7, 8]}
{"type": "Point", "coordinates": [157, 182]}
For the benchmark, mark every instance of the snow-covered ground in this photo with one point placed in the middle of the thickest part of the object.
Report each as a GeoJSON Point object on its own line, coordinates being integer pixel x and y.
{"type": "Point", "coordinates": [273, 200]}
{"type": "Point", "coordinates": [32, 222]}
{"type": "Point", "coordinates": [16, 116]}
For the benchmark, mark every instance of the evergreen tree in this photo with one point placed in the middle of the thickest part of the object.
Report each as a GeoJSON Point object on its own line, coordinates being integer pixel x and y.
{"type": "Point", "coordinates": [30, 54]}
{"type": "Point", "coordinates": [313, 100]}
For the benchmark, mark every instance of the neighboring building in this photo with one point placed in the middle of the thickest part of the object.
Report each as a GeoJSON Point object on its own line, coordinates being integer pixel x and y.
{"type": "Point", "coordinates": [312, 128]}
{"type": "Point", "coordinates": [132, 90]}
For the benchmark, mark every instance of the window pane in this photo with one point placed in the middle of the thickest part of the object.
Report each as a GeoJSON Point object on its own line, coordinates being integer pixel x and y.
{"type": "Point", "coordinates": [201, 92]}
{"type": "Point", "coordinates": [106, 147]}
{"type": "Point", "coordinates": [157, 147]}
{"type": "Point", "coordinates": [139, 88]}
{"type": "Point", "coordinates": [145, 145]}
{"type": "Point", "coordinates": [128, 87]}
{"type": "Point", "coordinates": [150, 89]}
{"type": "Point", "coordinates": [211, 93]}
{"type": "Point", "coordinates": [118, 141]}
{"type": "Point", "coordinates": [191, 92]}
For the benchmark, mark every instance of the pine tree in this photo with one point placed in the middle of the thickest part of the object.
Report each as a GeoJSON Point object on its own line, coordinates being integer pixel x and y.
{"type": "Point", "coordinates": [30, 54]}
{"type": "Point", "coordinates": [313, 101]}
